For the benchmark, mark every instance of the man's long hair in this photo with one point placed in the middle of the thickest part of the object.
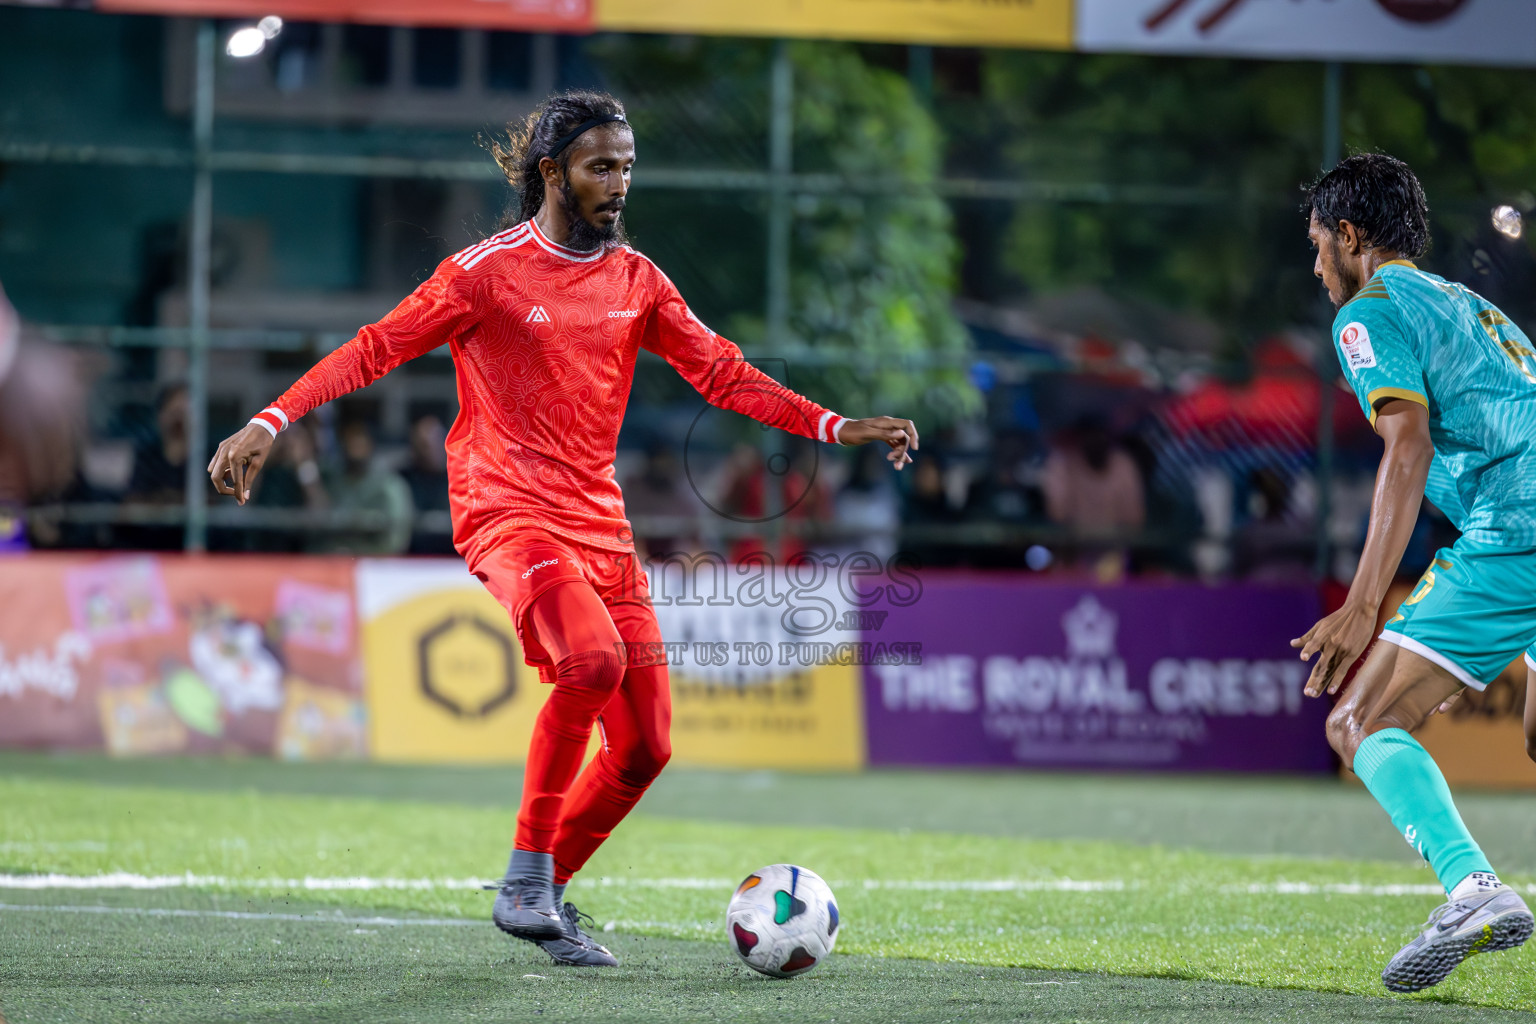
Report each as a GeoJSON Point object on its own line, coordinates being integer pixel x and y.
{"type": "Point", "coordinates": [530, 142]}
{"type": "Point", "coordinates": [1380, 196]}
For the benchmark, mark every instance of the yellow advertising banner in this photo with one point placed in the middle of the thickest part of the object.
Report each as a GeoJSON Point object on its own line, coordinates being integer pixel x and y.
{"type": "Point", "coordinates": [762, 672]}
{"type": "Point", "coordinates": [1043, 24]}
{"type": "Point", "coordinates": [445, 676]}
{"type": "Point", "coordinates": [808, 718]}
{"type": "Point", "coordinates": [446, 680]}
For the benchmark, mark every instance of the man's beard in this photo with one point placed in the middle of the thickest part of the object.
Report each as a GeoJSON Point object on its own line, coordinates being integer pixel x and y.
{"type": "Point", "coordinates": [1348, 277]}
{"type": "Point", "coordinates": [584, 236]}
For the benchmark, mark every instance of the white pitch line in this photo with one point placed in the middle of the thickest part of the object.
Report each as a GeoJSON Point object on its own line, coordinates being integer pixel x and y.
{"type": "Point", "coordinates": [129, 880]}
{"type": "Point", "coordinates": [1001, 885]}
{"type": "Point", "coordinates": [246, 915]}
{"type": "Point", "coordinates": [1338, 889]}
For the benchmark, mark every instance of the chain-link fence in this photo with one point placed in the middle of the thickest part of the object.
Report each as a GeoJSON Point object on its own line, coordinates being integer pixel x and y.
{"type": "Point", "coordinates": [1094, 299]}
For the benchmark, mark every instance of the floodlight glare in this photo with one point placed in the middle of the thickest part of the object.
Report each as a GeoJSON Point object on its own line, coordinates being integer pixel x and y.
{"type": "Point", "coordinates": [270, 26]}
{"type": "Point", "coordinates": [1507, 221]}
{"type": "Point", "coordinates": [245, 42]}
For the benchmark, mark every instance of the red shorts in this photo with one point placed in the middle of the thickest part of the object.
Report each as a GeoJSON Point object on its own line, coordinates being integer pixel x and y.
{"type": "Point", "coordinates": [529, 562]}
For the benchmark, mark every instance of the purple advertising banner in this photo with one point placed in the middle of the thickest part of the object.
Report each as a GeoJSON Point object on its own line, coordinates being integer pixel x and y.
{"type": "Point", "coordinates": [1165, 677]}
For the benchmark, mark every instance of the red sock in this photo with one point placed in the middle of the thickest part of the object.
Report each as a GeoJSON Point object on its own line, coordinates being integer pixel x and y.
{"type": "Point", "coordinates": [584, 682]}
{"type": "Point", "coordinates": [636, 746]}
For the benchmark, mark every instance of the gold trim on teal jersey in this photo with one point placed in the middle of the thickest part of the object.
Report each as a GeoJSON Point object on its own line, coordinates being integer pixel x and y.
{"type": "Point", "coordinates": [1388, 393]}
{"type": "Point", "coordinates": [1372, 290]}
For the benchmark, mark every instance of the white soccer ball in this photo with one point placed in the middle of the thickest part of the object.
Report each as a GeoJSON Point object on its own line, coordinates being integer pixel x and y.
{"type": "Point", "coordinates": [782, 921]}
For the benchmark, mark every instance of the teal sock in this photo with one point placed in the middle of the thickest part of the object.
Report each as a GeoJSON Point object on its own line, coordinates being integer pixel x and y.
{"type": "Point", "coordinates": [1407, 783]}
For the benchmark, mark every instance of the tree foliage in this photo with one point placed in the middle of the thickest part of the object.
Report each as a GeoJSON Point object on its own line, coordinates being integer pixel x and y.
{"type": "Point", "coordinates": [1244, 136]}
{"type": "Point", "coordinates": [873, 259]}
{"type": "Point", "coordinates": [874, 266]}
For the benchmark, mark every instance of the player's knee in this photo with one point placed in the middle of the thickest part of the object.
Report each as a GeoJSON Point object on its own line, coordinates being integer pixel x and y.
{"type": "Point", "coordinates": [653, 755]}
{"type": "Point", "coordinates": [594, 673]}
{"type": "Point", "coordinates": [639, 762]}
{"type": "Point", "coordinates": [1345, 731]}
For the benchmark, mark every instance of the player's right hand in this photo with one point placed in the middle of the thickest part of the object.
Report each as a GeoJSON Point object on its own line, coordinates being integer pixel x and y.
{"type": "Point", "coordinates": [1340, 638]}
{"type": "Point", "coordinates": [238, 460]}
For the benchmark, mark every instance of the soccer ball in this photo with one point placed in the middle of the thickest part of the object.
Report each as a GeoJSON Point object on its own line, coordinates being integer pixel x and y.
{"type": "Point", "coordinates": [782, 920]}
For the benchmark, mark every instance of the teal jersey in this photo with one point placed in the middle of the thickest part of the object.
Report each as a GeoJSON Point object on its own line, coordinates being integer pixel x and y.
{"type": "Point", "coordinates": [1408, 334]}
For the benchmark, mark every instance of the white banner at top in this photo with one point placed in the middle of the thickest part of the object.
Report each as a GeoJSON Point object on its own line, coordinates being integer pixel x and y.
{"type": "Point", "coordinates": [1432, 31]}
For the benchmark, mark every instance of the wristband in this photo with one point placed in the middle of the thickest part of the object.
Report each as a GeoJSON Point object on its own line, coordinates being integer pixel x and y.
{"type": "Point", "coordinates": [828, 426]}
{"type": "Point", "coordinates": [272, 419]}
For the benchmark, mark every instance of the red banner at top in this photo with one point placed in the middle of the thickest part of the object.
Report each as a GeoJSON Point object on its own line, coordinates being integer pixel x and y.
{"type": "Point", "coordinates": [525, 15]}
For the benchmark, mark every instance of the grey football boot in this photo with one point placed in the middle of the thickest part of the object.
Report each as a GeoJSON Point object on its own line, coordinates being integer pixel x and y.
{"type": "Point", "coordinates": [1482, 923]}
{"type": "Point", "coordinates": [575, 947]}
{"type": "Point", "coordinates": [525, 898]}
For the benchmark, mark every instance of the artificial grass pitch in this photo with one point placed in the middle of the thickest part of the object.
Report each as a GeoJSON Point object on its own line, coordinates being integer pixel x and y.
{"type": "Point", "coordinates": [110, 961]}
{"type": "Point", "coordinates": [950, 899]}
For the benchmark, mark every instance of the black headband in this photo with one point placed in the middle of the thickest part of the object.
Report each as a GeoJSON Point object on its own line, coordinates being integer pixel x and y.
{"type": "Point", "coordinates": [585, 126]}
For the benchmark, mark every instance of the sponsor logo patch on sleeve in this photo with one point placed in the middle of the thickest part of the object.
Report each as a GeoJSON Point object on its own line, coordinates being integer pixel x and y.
{"type": "Point", "coordinates": [1356, 342]}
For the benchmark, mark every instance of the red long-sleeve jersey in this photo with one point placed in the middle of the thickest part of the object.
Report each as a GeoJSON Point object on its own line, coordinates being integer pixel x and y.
{"type": "Point", "coordinates": [544, 341]}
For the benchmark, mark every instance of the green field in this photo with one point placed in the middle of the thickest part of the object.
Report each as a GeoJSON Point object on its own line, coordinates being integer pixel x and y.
{"type": "Point", "coordinates": [346, 892]}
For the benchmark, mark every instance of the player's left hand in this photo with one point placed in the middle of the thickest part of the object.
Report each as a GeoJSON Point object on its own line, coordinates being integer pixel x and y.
{"type": "Point", "coordinates": [1340, 638]}
{"type": "Point", "coordinates": [240, 457]}
{"type": "Point", "coordinates": [900, 434]}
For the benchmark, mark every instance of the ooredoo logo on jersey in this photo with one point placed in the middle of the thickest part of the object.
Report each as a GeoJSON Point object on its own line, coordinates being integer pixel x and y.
{"type": "Point", "coordinates": [548, 561]}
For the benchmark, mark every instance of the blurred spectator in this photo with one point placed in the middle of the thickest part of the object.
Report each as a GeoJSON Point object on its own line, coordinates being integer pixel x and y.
{"type": "Point", "coordinates": [1173, 514]}
{"type": "Point", "coordinates": [1093, 488]}
{"type": "Point", "coordinates": [1092, 485]}
{"type": "Point", "coordinates": [657, 492]}
{"type": "Point", "coordinates": [358, 485]}
{"type": "Point", "coordinates": [160, 465]}
{"type": "Point", "coordinates": [278, 486]}
{"type": "Point", "coordinates": [927, 509]}
{"type": "Point", "coordinates": [1274, 546]}
{"type": "Point", "coordinates": [41, 423]}
{"type": "Point", "coordinates": [427, 477]}
{"type": "Point", "coordinates": [808, 497]}
{"type": "Point", "coordinates": [803, 496]}
{"type": "Point", "coordinates": [159, 477]}
{"type": "Point", "coordinates": [868, 503]}
{"type": "Point", "coordinates": [1002, 496]}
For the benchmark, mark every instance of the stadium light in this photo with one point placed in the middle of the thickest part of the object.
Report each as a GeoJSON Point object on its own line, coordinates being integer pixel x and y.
{"type": "Point", "coordinates": [246, 42]}
{"type": "Point", "coordinates": [270, 26]}
{"type": "Point", "coordinates": [1507, 221]}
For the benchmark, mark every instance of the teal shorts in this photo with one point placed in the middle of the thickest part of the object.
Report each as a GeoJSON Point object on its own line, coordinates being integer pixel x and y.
{"type": "Point", "coordinates": [1473, 612]}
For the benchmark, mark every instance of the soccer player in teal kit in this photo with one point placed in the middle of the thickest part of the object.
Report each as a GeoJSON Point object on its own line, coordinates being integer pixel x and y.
{"type": "Point", "coordinates": [1450, 385]}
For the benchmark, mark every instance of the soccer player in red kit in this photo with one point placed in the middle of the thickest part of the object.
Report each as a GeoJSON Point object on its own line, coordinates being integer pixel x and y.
{"type": "Point", "coordinates": [544, 321]}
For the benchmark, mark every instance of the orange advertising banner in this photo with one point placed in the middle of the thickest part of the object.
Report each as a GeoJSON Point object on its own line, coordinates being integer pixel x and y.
{"type": "Point", "coordinates": [1481, 741]}
{"type": "Point", "coordinates": [524, 15]}
{"type": "Point", "coordinates": [145, 654]}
